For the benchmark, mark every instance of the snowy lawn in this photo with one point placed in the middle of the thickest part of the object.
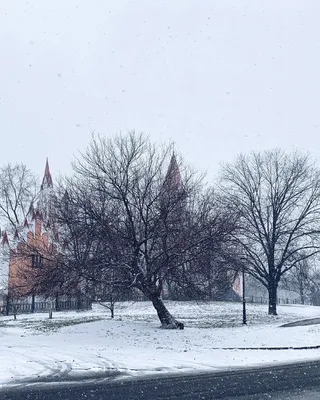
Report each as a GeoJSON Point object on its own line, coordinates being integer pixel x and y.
{"type": "Point", "coordinates": [89, 344]}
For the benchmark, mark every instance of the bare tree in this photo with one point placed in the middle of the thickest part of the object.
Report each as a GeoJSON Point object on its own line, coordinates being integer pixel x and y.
{"type": "Point", "coordinates": [300, 279]}
{"type": "Point", "coordinates": [18, 188]}
{"type": "Point", "coordinates": [132, 213]}
{"type": "Point", "coordinates": [17, 191]}
{"type": "Point", "coordinates": [277, 199]}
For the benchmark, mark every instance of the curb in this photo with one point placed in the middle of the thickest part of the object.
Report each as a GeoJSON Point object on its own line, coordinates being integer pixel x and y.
{"type": "Point", "coordinates": [304, 322]}
{"type": "Point", "coordinates": [268, 348]}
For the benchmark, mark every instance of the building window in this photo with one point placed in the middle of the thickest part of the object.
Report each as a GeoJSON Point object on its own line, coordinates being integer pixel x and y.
{"type": "Point", "coordinates": [36, 260]}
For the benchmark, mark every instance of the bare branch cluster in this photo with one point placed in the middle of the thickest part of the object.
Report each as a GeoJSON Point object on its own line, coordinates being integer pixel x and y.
{"type": "Point", "coordinates": [134, 218]}
{"type": "Point", "coordinates": [276, 197]}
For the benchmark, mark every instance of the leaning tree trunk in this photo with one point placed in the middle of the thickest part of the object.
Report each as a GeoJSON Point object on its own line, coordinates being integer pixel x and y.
{"type": "Point", "coordinates": [166, 319]}
{"type": "Point", "coordinates": [272, 289]}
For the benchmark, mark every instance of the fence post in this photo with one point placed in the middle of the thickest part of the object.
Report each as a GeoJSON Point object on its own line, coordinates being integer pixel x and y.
{"type": "Point", "coordinates": [57, 302]}
{"type": "Point", "coordinates": [33, 303]}
{"type": "Point", "coordinates": [15, 311]}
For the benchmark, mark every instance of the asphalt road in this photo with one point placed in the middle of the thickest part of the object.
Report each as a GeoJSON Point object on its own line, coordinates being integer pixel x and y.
{"type": "Point", "coordinates": [294, 394]}
{"type": "Point", "coordinates": [286, 381]}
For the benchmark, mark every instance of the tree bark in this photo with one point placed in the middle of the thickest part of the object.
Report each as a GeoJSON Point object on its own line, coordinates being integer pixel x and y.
{"type": "Point", "coordinates": [166, 319]}
{"type": "Point", "coordinates": [272, 289]}
{"type": "Point", "coordinates": [301, 294]}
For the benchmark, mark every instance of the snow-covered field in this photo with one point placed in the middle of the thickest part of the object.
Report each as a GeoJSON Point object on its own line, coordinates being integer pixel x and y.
{"type": "Point", "coordinates": [89, 344]}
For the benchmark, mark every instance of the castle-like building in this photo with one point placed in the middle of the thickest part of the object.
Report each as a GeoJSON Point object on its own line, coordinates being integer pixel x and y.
{"type": "Point", "coordinates": [25, 249]}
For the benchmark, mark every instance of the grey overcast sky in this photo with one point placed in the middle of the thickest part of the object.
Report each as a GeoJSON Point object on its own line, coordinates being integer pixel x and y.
{"type": "Point", "coordinates": [218, 77]}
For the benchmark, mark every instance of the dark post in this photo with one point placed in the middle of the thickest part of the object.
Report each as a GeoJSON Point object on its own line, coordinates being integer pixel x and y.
{"type": "Point", "coordinates": [33, 303]}
{"type": "Point", "coordinates": [8, 305]}
{"type": "Point", "coordinates": [244, 311]}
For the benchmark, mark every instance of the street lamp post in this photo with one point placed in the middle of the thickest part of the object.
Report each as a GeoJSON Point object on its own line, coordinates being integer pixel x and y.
{"type": "Point", "coordinates": [244, 311]}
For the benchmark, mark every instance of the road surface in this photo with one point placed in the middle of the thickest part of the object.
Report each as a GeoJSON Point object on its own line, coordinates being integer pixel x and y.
{"type": "Point", "coordinates": [287, 381]}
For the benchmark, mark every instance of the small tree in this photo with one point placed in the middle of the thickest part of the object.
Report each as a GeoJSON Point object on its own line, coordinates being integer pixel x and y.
{"type": "Point", "coordinates": [300, 279]}
{"type": "Point", "coordinates": [277, 199]}
{"type": "Point", "coordinates": [18, 187]}
{"type": "Point", "coordinates": [17, 192]}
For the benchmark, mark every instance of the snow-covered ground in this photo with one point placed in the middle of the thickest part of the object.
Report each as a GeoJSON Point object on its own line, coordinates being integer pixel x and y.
{"type": "Point", "coordinates": [90, 344]}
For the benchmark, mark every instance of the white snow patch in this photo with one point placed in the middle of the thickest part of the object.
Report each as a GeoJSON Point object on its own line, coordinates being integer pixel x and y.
{"type": "Point", "coordinates": [36, 348]}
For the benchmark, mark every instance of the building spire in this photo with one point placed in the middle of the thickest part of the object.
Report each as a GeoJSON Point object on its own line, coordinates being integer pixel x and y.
{"type": "Point", "coordinates": [172, 187]}
{"type": "Point", "coordinates": [4, 240]}
{"type": "Point", "coordinates": [173, 177]}
{"type": "Point", "coordinates": [47, 179]}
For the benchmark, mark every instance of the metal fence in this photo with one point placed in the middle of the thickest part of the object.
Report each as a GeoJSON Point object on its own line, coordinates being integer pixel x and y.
{"type": "Point", "coordinates": [45, 306]}
{"type": "Point", "coordinates": [265, 300]}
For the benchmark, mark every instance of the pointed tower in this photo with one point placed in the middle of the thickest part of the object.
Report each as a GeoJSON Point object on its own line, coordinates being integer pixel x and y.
{"type": "Point", "coordinates": [45, 198]}
{"type": "Point", "coordinates": [172, 188]}
{"type": "Point", "coordinates": [47, 179]}
{"type": "Point", "coordinates": [4, 264]}
{"type": "Point", "coordinates": [173, 177]}
{"type": "Point", "coordinates": [4, 240]}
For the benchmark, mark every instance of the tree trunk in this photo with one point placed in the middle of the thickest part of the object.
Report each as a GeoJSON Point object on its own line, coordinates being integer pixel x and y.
{"type": "Point", "coordinates": [166, 319]}
{"type": "Point", "coordinates": [272, 289]}
{"type": "Point", "coordinates": [301, 294]}
{"type": "Point", "coordinates": [112, 306]}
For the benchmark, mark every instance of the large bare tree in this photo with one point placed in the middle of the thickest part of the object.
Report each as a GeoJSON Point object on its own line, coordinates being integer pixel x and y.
{"type": "Point", "coordinates": [132, 218]}
{"type": "Point", "coordinates": [277, 199]}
